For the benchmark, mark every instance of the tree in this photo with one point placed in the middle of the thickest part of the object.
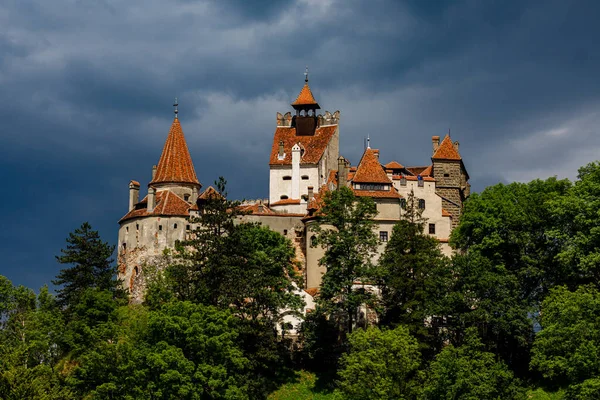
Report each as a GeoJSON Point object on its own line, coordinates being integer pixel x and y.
{"type": "Point", "coordinates": [379, 364]}
{"type": "Point", "coordinates": [413, 276]}
{"type": "Point", "coordinates": [91, 266]}
{"type": "Point", "coordinates": [345, 230]}
{"type": "Point", "coordinates": [567, 349]}
{"type": "Point", "coordinates": [470, 373]}
{"type": "Point", "coordinates": [506, 263]}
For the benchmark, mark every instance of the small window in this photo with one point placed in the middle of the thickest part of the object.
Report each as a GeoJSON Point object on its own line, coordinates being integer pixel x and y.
{"type": "Point", "coordinates": [137, 226]}
{"type": "Point", "coordinates": [285, 232]}
{"type": "Point", "coordinates": [403, 203]}
{"type": "Point", "coordinates": [446, 175]}
{"type": "Point", "coordinates": [186, 197]}
{"type": "Point", "coordinates": [403, 181]}
{"type": "Point", "coordinates": [187, 227]}
{"type": "Point", "coordinates": [304, 177]}
{"type": "Point", "coordinates": [421, 183]}
{"type": "Point", "coordinates": [136, 270]}
{"type": "Point", "coordinates": [313, 241]}
{"type": "Point", "coordinates": [283, 197]}
{"type": "Point", "coordinates": [160, 227]}
{"type": "Point", "coordinates": [174, 226]}
{"type": "Point", "coordinates": [124, 246]}
{"type": "Point", "coordinates": [421, 204]}
{"type": "Point", "coordinates": [287, 178]}
{"type": "Point", "coordinates": [383, 236]}
{"type": "Point", "coordinates": [432, 229]}
{"type": "Point", "coordinates": [127, 229]}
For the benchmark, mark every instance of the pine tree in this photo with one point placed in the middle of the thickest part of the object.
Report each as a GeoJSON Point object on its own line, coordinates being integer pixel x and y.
{"type": "Point", "coordinates": [91, 267]}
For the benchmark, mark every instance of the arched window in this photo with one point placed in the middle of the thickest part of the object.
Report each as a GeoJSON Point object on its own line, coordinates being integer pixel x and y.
{"type": "Point", "coordinates": [421, 204]}
{"type": "Point", "coordinates": [283, 197]}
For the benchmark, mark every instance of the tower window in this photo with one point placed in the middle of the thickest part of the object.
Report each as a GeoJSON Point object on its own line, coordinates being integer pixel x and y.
{"type": "Point", "coordinates": [421, 204]}
{"type": "Point", "coordinates": [403, 203]}
{"type": "Point", "coordinates": [287, 178]}
{"type": "Point", "coordinates": [137, 227]}
{"type": "Point", "coordinates": [160, 227]}
{"type": "Point", "coordinates": [432, 229]}
{"type": "Point", "coordinates": [383, 236]}
{"type": "Point", "coordinates": [446, 175]}
{"type": "Point", "coordinates": [124, 247]}
{"type": "Point", "coordinates": [127, 229]}
{"type": "Point", "coordinates": [174, 226]}
{"type": "Point", "coordinates": [304, 177]}
{"type": "Point", "coordinates": [187, 227]}
{"type": "Point", "coordinates": [283, 197]}
{"type": "Point", "coordinates": [285, 232]}
{"type": "Point", "coordinates": [313, 241]}
{"type": "Point", "coordinates": [186, 197]}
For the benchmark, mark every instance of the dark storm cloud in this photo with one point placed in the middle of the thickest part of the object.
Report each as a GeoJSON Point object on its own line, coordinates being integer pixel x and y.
{"type": "Point", "coordinates": [87, 87]}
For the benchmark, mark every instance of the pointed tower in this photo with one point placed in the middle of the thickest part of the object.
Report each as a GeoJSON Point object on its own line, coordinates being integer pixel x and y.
{"type": "Point", "coordinates": [452, 179]}
{"type": "Point", "coordinates": [305, 121]}
{"type": "Point", "coordinates": [161, 218]}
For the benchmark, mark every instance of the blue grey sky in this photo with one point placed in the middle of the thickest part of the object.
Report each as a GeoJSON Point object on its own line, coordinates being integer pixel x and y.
{"type": "Point", "coordinates": [86, 89]}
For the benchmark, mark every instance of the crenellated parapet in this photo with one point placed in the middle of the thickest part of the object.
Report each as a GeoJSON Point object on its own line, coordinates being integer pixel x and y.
{"type": "Point", "coordinates": [328, 118]}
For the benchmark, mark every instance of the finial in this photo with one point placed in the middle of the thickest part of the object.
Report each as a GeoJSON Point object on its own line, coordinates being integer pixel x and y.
{"type": "Point", "coordinates": [175, 105]}
{"type": "Point", "coordinates": [306, 74]}
{"type": "Point", "coordinates": [368, 141]}
{"type": "Point", "coordinates": [448, 131]}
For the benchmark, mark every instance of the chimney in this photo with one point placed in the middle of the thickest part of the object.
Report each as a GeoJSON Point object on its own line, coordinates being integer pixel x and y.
{"type": "Point", "coordinates": [151, 199]}
{"type": "Point", "coordinates": [376, 152]}
{"type": "Point", "coordinates": [194, 195]}
{"type": "Point", "coordinates": [456, 144]}
{"type": "Point", "coordinates": [280, 154]}
{"type": "Point", "coordinates": [342, 173]}
{"type": "Point", "coordinates": [153, 171]}
{"type": "Point", "coordinates": [435, 141]}
{"type": "Point", "coordinates": [134, 194]}
{"type": "Point", "coordinates": [311, 193]}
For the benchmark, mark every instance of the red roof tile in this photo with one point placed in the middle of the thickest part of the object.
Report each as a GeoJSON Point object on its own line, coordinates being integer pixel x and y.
{"type": "Point", "coordinates": [257, 209]}
{"type": "Point", "coordinates": [416, 170]}
{"type": "Point", "coordinates": [285, 202]}
{"type": "Point", "coordinates": [446, 150]}
{"type": "Point", "coordinates": [378, 194]}
{"type": "Point", "coordinates": [134, 183]}
{"type": "Point", "coordinates": [210, 192]}
{"type": "Point", "coordinates": [175, 164]}
{"type": "Point", "coordinates": [314, 146]}
{"type": "Point", "coordinates": [413, 178]}
{"type": "Point", "coordinates": [305, 97]}
{"type": "Point", "coordinates": [394, 165]}
{"type": "Point", "coordinates": [427, 171]}
{"type": "Point", "coordinates": [167, 204]}
{"type": "Point", "coordinates": [370, 170]}
{"type": "Point", "coordinates": [445, 213]}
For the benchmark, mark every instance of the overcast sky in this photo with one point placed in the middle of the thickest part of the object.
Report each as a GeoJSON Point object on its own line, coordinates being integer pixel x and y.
{"type": "Point", "coordinates": [86, 88]}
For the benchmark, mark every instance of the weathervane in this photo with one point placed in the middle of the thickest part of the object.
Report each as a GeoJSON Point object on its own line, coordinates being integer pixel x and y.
{"type": "Point", "coordinates": [175, 105]}
{"type": "Point", "coordinates": [306, 74]}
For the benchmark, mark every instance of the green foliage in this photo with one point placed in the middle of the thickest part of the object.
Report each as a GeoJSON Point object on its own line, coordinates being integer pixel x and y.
{"type": "Point", "coordinates": [470, 373]}
{"type": "Point", "coordinates": [413, 276]}
{"type": "Point", "coordinates": [505, 265]}
{"type": "Point", "coordinates": [303, 388]}
{"type": "Point", "coordinates": [345, 230]}
{"type": "Point", "coordinates": [379, 365]}
{"type": "Point", "coordinates": [91, 266]}
{"type": "Point", "coordinates": [577, 229]}
{"type": "Point", "coordinates": [567, 349]}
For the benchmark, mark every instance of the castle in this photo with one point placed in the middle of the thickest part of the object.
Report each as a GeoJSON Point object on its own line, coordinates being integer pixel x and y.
{"type": "Point", "coordinates": [304, 163]}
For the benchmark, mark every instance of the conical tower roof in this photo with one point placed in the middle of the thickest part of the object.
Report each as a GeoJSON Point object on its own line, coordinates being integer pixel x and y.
{"type": "Point", "coordinates": [305, 98]}
{"type": "Point", "coordinates": [175, 164]}
{"type": "Point", "coordinates": [446, 150]}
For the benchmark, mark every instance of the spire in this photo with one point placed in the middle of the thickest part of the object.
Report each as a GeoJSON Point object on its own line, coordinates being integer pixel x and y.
{"type": "Point", "coordinates": [305, 99]}
{"type": "Point", "coordinates": [175, 164]}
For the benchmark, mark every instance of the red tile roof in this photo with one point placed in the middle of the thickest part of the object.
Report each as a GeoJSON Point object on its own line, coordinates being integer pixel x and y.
{"type": "Point", "coordinates": [416, 170]}
{"type": "Point", "coordinates": [285, 202]}
{"type": "Point", "coordinates": [314, 146]}
{"type": "Point", "coordinates": [167, 204]}
{"type": "Point", "coordinates": [394, 165]}
{"type": "Point", "coordinates": [427, 171]}
{"type": "Point", "coordinates": [305, 97]}
{"type": "Point", "coordinates": [210, 192]}
{"type": "Point", "coordinates": [446, 150]}
{"type": "Point", "coordinates": [370, 170]}
{"type": "Point", "coordinates": [378, 194]}
{"type": "Point", "coordinates": [413, 178]}
{"type": "Point", "coordinates": [175, 164]}
{"type": "Point", "coordinates": [445, 213]}
{"type": "Point", "coordinates": [134, 183]}
{"type": "Point", "coordinates": [257, 209]}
